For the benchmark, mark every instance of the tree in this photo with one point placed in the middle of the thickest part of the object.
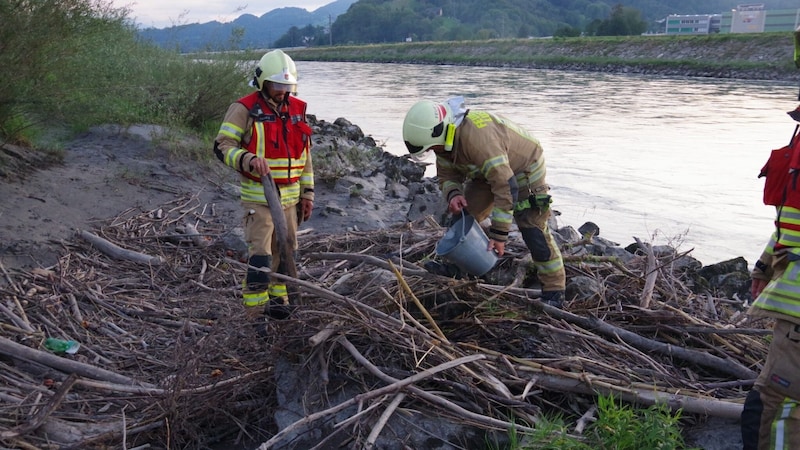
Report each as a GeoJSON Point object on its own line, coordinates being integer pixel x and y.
{"type": "Point", "coordinates": [622, 22]}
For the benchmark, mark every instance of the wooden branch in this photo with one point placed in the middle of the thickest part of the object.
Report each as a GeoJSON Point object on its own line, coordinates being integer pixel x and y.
{"type": "Point", "coordinates": [700, 358]}
{"type": "Point", "coordinates": [394, 387]}
{"type": "Point", "coordinates": [287, 263]}
{"type": "Point", "coordinates": [579, 383]}
{"type": "Point", "coordinates": [651, 277]}
{"type": "Point", "coordinates": [11, 348]}
{"type": "Point", "coordinates": [419, 304]}
{"type": "Point", "coordinates": [367, 259]}
{"type": "Point", "coordinates": [118, 252]}
{"type": "Point", "coordinates": [378, 427]}
{"type": "Point", "coordinates": [435, 399]}
{"type": "Point", "coordinates": [43, 413]}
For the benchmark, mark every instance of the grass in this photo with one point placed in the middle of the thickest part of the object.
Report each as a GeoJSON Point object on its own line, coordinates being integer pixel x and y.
{"type": "Point", "coordinates": [618, 426]}
{"type": "Point", "coordinates": [79, 63]}
{"type": "Point", "coordinates": [707, 53]}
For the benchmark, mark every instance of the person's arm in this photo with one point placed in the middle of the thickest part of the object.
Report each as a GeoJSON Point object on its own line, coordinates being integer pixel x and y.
{"type": "Point", "coordinates": [228, 143]}
{"type": "Point", "coordinates": [762, 271]}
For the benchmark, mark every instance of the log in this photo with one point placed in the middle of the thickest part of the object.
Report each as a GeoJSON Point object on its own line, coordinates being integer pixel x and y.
{"type": "Point", "coordinates": [287, 264]}
{"type": "Point", "coordinates": [118, 252]}
{"type": "Point", "coordinates": [652, 275]}
{"type": "Point", "coordinates": [11, 348]}
{"type": "Point", "coordinates": [700, 358]}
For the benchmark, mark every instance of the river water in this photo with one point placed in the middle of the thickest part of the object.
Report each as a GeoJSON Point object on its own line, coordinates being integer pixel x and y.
{"type": "Point", "coordinates": [667, 160]}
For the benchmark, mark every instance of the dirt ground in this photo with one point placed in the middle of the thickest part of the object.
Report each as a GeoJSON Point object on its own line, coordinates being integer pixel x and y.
{"type": "Point", "coordinates": [104, 172]}
{"type": "Point", "coordinates": [112, 169]}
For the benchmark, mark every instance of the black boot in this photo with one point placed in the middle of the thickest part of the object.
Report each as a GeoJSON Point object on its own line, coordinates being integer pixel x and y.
{"type": "Point", "coordinates": [553, 298]}
{"type": "Point", "coordinates": [443, 269]}
{"type": "Point", "coordinates": [278, 310]}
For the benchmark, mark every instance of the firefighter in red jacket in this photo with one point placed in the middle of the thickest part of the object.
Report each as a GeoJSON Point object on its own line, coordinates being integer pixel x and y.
{"type": "Point", "coordinates": [264, 133]}
{"type": "Point", "coordinates": [493, 168]}
{"type": "Point", "coordinates": [771, 414]}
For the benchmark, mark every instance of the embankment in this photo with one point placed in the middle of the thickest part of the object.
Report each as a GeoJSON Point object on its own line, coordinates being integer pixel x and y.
{"type": "Point", "coordinates": [763, 56]}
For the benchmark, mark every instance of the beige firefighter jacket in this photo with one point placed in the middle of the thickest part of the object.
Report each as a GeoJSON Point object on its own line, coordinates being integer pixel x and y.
{"type": "Point", "coordinates": [490, 148]}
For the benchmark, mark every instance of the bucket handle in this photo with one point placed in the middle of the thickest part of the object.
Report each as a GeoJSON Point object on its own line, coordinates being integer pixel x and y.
{"type": "Point", "coordinates": [463, 227]}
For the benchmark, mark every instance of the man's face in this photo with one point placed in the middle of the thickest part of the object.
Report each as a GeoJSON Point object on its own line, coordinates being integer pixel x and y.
{"type": "Point", "coordinates": [278, 92]}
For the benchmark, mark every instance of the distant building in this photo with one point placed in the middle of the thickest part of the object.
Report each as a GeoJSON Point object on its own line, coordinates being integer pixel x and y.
{"type": "Point", "coordinates": [693, 24]}
{"type": "Point", "coordinates": [745, 18]}
{"type": "Point", "coordinates": [753, 18]}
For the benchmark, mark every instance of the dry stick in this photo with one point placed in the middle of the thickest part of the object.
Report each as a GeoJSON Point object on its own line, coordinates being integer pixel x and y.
{"type": "Point", "coordinates": [558, 380]}
{"type": "Point", "coordinates": [696, 321]}
{"type": "Point", "coordinates": [652, 275]}
{"type": "Point", "coordinates": [401, 384]}
{"type": "Point", "coordinates": [422, 308]}
{"type": "Point", "coordinates": [587, 417]}
{"type": "Point", "coordinates": [117, 252]}
{"type": "Point", "coordinates": [43, 413]}
{"type": "Point", "coordinates": [333, 296]}
{"type": "Point", "coordinates": [21, 310]}
{"type": "Point", "coordinates": [699, 358]}
{"type": "Point", "coordinates": [8, 278]}
{"type": "Point", "coordinates": [285, 245]}
{"type": "Point", "coordinates": [378, 427]}
{"type": "Point", "coordinates": [384, 264]}
{"type": "Point", "coordinates": [16, 319]}
{"type": "Point", "coordinates": [405, 314]}
{"type": "Point", "coordinates": [435, 399]}
{"type": "Point", "coordinates": [111, 387]}
{"type": "Point", "coordinates": [73, 303]}
{"type": "Point", "coordinates": [11, 348]}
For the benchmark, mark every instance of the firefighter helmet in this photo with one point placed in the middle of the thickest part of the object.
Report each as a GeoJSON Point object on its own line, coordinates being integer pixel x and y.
{"type": "Point", "coordinates": [427, 123]}
{"type": "Point", "coordinates": [278, 68]}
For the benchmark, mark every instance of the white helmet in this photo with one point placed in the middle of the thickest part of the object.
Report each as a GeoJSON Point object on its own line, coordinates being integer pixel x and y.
{"type": "Point", "coordinates": [278, 68]}
{"type": "Point", "coordinates": [427, 123]}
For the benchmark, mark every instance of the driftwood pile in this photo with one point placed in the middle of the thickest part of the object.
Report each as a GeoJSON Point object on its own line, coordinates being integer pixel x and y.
{"type": "Point", "coordinates": [167, 359]}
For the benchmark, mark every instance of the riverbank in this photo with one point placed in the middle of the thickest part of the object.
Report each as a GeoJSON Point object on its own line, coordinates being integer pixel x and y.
{"type": "Point", "coordinates": [175, 332]}
{"type": "Point", "coordinates": [763, 56]}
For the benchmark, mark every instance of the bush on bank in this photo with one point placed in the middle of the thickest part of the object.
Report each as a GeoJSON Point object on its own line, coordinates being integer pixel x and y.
{"type": "Point", "coordinates": [76, 63]}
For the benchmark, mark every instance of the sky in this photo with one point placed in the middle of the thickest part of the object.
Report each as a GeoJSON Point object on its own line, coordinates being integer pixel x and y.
{"type": "Point", "coordinates": [166, 13]}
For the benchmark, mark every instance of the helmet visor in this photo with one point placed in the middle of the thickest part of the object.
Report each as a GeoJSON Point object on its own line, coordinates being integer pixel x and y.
{"type": "Point", "coordinates": [280, 87]}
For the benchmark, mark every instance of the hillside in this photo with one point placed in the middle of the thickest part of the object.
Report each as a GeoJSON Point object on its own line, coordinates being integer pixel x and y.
{"type": "Point", "coordinates": [766, 56]}
{"type": "Point", "coordinates": [345, 22]}
{"type": "Point", "coordinates": [247, 31]}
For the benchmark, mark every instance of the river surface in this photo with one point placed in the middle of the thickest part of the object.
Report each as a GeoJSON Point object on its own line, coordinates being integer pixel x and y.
{"type": "Point", "coordinates": [667, 160]}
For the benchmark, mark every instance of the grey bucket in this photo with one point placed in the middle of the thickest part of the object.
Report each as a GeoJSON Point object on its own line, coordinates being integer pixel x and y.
{"type": "Point", "coordinates": [465, 245]}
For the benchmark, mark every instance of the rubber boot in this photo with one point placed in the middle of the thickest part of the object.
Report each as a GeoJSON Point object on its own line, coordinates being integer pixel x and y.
{"type": "Point", "coordinates": [553, 298]}
{"type": "Point", "coordinates": [443, 269]}
{"type": "Point", "coordinates": [278, 310]}
{"type": "Point", "coordinates": [255, 317]}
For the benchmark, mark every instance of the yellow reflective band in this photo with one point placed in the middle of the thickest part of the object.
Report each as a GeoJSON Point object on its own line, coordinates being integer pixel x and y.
{"type": "Point", "coordinates": [449, 137]}
{"type": "Point", "coordinates": [278, 290]}
{"type": "Point", "coordinates": [255, 298]}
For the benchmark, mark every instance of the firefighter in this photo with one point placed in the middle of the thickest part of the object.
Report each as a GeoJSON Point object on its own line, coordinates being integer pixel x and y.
{"type": "Point", "coordinates": [771, 414]}
{"type": "Point", "coordinates": [493, 168]}
{"type": "Point", "coordinates": [263, 133]}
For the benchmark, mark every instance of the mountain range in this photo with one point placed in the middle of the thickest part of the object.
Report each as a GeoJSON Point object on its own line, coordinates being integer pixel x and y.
{"type": "Point", "coordinates": [380, 21]}
{"type": "Point", "coordinates": [245, 32]}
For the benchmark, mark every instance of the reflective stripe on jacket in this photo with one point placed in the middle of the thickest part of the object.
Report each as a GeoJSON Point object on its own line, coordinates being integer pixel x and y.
{"type": "Point", "coordinates": [781, 297]}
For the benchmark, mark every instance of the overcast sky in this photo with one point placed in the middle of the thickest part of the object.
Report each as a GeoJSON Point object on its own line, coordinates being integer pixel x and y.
{"type": "Point", "coordinates": [165, 13]}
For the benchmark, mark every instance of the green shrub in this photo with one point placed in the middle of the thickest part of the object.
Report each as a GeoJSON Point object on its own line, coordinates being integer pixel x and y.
{"type": "Point", "coordinates": [621, 427]}
{"type": "Point", "coordinates": [79, 63]}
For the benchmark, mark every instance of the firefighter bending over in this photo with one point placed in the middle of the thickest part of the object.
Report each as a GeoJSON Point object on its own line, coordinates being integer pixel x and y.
{"type": "Point", "coordinates": [493, 168]}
